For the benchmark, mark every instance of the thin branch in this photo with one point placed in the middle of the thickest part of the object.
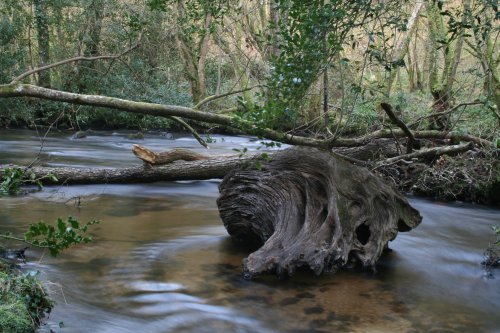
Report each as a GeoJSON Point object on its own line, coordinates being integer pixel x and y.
{"type": "Point", "coordinates": [229, 110]}
{"type": "Point", "coordinates": [23, 241]}
{"type": "Point", "coordinates": [192, 130]}
{"type": "Point", "coordinates": [430, 152]}
{"type": "Point", "coordinates": [213, 97]}
{"type": "Point", "coordinates": [453, 109]}
{"type": "Point", "coordinates": [411, 139]}
{"type": "Point", "coordinates": [66, 61]}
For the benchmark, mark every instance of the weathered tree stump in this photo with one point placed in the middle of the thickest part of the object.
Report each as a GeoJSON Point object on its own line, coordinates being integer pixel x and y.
{"type": "Point", "coordinates": [309, 208]}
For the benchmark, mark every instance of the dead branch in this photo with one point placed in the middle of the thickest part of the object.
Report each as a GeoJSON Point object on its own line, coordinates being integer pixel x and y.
{"type": "Point", "coordinates": [192, 130]}
{"type": "Point", "coordinates": [436, 114]}
{"type": "Point", "coordinates": [166, 157]}
{"type": "Point", "coordinates": [430, 152]}
{"type": "Point", "coordinates": [214, 97]}
{"type": "Point", "coordinates": [411, 139]}
{"type": "Point", "coordinates": [67, 61]}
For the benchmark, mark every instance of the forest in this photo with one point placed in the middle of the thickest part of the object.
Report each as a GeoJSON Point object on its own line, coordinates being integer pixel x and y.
{"type": "Point", "coordinates": [328, 121]}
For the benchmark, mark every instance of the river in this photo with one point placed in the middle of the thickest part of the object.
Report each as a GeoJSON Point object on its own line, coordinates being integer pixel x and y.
{"type": "Point", "coordinates": [161, 260]}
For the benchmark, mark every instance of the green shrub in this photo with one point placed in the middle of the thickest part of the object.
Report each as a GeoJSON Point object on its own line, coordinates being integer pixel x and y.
{"type": "Point", "coordinates": [14, 318]}
{"type": "Point", "coordinates": [24, 302]}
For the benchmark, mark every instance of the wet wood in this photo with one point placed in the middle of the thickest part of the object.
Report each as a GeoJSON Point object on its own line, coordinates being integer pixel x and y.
{"type": "Point", "coordinates": [177, 170]}
{"type": "Point", "coordinates": [309, 208]}
{"type": "Point", "coordinates": [166, 157]}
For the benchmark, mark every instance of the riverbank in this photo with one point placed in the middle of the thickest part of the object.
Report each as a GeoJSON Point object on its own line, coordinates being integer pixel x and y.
{"type": "Point", "coordinates": [473, 176]}
{"type": "Point", "coordinates": [24, 301]}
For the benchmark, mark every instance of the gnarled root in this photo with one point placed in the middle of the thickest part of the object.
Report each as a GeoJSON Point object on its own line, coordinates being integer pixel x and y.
{"type": "Point", "coordinates": [309, 208]}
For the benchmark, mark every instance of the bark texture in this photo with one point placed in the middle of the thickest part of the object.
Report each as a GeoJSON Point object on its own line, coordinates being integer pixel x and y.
{"type": "Point", "coordinates": [308, 208]}
{"type": "Point", "coordinates": [166, 157]}
{"type": "Point", "coordinates": [178, 170]}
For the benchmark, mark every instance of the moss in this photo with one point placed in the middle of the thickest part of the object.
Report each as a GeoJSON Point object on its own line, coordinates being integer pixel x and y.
{"type": "Point", "coordinates": [14, 318]}
{"type": "Point", "coordinates": [23, 302]}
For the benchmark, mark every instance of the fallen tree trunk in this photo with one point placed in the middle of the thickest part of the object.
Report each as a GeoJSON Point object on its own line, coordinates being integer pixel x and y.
{"type": "Point", "coordinates": [183, 164]}
{"type": "Point", "coordinates": [309, 208]}
{"type": "Point", "coordinates": [178, 170]}
{"type": "Point", "coordinates": [27, 90]}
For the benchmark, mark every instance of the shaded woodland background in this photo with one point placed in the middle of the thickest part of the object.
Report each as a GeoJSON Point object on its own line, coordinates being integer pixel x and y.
{"type": "Point", "coordinates": [321, 67]}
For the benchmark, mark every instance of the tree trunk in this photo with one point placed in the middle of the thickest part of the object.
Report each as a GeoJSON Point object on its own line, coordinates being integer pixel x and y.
{"type": "Point", "coordinates": [27, 90]}
{"type": "Point", "coordinates": [194, 52]}
{"type": "Point", "coordinates": [441, 86]}
{"type": "Point", "coordinates": [178, 170]}
{"type": "Point", "coordinates": [91, 41]}
{"type": "Point", "coordinates": [484, 50]}
{"type": "Point", "coordinates": [403, 47]}
{"type": "Point", "coordinates": [308, 208]}
{"type": "Point", "coordinates": [43, 36]}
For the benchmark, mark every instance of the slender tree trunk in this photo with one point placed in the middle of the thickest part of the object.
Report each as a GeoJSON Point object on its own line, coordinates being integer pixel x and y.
{"type": "Point", "coordinates": [91, 41]}
{"type": "Point", "coordinates": [43, 35]}
{"type": "Point", "coordinates": [441, 85]}
{"type": "Point", "coordinates": [326, 85]}
{"type": "Point", "coordinates": [403, 47]}
{"type": "Point", "coordinates": [274, 19]}
{"type": "Point", "coordinates": [239, 60]}
{"type": "Point", "coordinates": [193, 54]}
{"type": "Point", "coordinates": [485, 50]}
{"type": "Point", "coordinates": [419, 84]}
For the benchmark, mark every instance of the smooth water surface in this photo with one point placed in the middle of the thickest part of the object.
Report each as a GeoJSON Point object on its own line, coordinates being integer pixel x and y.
{"type": "Point", "coordinates": [162, 261]}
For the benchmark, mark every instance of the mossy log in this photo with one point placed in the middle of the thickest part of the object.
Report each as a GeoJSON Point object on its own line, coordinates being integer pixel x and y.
{"type": "Point", "coordinates": [309, 208]}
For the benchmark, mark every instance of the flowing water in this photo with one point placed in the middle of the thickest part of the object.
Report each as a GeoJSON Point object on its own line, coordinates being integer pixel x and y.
{"type": "Point", "coordinates": [161, 260]}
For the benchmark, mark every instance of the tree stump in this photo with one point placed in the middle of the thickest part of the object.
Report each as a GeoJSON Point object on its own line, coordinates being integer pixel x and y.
{"type": "Point", "coordinates": [307, 207]}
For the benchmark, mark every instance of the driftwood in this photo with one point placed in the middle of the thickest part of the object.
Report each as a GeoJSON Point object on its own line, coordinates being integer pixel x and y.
{"type": "Point", "coordinates": [166, 157]}
{"type": "Point", "coordinates": [309, 208]}
{"type": "Point", "coordinates": [178, 170]}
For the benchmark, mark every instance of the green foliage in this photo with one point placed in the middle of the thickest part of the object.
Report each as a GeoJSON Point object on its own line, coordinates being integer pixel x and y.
{"type": "Point", "coordinates": [492, 254]}
{"type": "Point", "coordinates": [241, 152]}
{"type": "Point", "coordinates": [15, 178]}
{"type": "Point", "coordinates": [191, 16]}
{"type": "Point", "coordinates": [24, 302]}
{"type": "Point", "coordinates": [14, 317]}
{"type": "Point", "coordinates": [55, 238]}
{"type": "Point", "coordinates": [309, 37]}
{"type": "Point", "coordinates": [59, 237]}
{"type": "Point", "coordinates": [12, 181]}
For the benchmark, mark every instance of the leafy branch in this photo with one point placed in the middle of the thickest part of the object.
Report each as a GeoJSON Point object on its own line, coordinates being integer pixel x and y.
{"type": "Point", "coordinates": [14, 178]}
{"type": "Point", "coordinates": [55, 238]}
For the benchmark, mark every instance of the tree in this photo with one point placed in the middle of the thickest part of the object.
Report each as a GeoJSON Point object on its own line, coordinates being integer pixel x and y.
{"type": "Point", "coordinates": [43, 36]}
{"type": "Point", "coordinates": [484, 47]}
{"type": "Point", "coordinates": [448, 38]}
{"type": "Point", "coordinates": [91, 37]}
